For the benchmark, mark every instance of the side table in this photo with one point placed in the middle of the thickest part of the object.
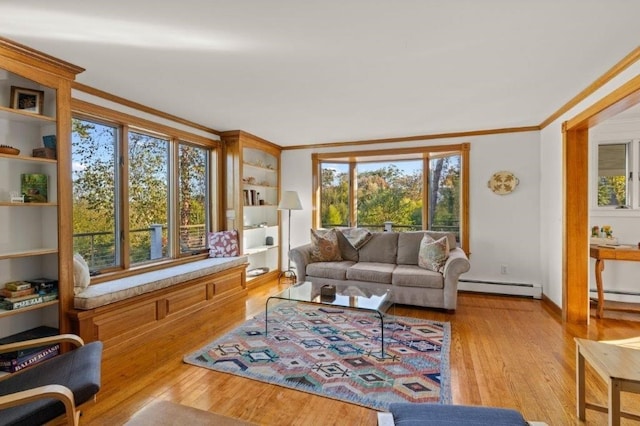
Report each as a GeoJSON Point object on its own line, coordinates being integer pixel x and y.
{"type": "Point", "coordinates": [619, 366]}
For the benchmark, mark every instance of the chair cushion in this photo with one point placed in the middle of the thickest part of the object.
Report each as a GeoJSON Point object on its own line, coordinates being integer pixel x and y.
{"type": "Point", "coordinates": [415, 276]}
{"type": "Point", "coordinates": [406, 414]}
{"type": "Point", "coordinates": [78, 370]}
{"type": "Point", "coordinates": [331, 270]}
{"type": "Point", "coordinates": [371, 272]}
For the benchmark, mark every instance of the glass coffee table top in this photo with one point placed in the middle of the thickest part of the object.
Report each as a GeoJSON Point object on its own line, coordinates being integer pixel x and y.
{"type": "Point", "coordinates": [374, 297]}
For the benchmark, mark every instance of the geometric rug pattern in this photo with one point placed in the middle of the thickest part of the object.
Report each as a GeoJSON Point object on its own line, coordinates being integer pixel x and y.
{"type": "Point", "coordinates": [336, 353]}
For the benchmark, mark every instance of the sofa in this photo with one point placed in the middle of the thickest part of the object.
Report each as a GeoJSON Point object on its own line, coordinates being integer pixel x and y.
{"type": "Point", "coordinates": [389, 258]}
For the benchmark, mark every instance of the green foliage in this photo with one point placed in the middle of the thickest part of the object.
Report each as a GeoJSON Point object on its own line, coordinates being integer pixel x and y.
{"type": "Point", "coordinates": [389, 194]}
{"type": "Point", "coordinates": [612, 191]}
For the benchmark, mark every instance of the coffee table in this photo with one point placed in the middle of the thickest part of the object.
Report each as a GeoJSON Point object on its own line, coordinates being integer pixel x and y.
{"type": "Point", "coordinates": [619, 367]}
{"type": "Point", "coordinates": [375, 299]}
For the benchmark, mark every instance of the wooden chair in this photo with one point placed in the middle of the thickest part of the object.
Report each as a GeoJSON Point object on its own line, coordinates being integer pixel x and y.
{"type": "Point", "coordinates": [51, 388]}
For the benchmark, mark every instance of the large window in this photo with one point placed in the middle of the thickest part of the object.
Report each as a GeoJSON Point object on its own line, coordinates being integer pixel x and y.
{"type": "Point", "coordinates": [140, 196]}
{"type": "Point", "coordinates": [402, 190]}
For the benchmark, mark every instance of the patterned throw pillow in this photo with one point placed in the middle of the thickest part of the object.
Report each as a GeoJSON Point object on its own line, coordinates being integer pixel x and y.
{"type": "Point", "coordinates": [324, 246]}
{"type": "Point", "coordinates": [433, 254]}
{"type": "Point", "coordinates": [357, 237]}
{"type": "Point", "coordinates": [223, 244]}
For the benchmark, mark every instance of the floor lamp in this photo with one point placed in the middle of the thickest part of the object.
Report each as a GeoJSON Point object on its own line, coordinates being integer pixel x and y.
{"type": "Point", "coordinates": [289, 201]}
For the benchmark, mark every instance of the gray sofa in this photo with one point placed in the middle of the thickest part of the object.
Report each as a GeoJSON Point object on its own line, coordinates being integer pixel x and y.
{"type": "Point", "coordinates": [389, 258]}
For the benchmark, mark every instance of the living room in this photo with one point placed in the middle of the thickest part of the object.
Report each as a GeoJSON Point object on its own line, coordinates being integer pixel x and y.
{"type": "Point", "coordinates": [516, 241]}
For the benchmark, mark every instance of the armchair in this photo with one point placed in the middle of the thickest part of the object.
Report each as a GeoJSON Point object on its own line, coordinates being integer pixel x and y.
{"type": "Point", "coordinates": [51, 388]}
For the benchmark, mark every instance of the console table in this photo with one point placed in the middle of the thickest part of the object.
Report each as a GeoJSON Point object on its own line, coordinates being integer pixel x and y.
{"type": "Point", "coordinates": [602, 253]}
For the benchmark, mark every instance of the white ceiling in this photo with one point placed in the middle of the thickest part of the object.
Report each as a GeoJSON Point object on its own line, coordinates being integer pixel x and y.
{"type": "Point", "coordinates": [303, 72]}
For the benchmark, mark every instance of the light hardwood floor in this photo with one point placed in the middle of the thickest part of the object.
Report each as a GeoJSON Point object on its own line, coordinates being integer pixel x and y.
{"type": "Point", "coordinates": [505, 352]}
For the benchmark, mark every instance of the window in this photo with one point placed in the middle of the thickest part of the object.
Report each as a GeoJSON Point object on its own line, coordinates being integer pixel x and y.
{"type": "Point", "coordinates": [141, 195]}
{"type": "Point", "coordinates": [617, 163]}
{"type": "Point", "coordinates": [402, 190]}
{"type": "Point", "coordinates": [95, 212]}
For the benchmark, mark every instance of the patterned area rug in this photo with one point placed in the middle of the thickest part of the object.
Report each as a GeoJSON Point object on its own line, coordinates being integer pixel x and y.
{"type": "Point", "coordinates": [336, 353]}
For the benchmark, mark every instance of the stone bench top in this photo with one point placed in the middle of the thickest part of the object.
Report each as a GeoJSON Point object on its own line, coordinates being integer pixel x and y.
{"type": "Point", "coordinates": [108, 292]}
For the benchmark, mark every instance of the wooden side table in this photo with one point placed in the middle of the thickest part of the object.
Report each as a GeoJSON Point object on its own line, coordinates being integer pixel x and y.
{"type": "Point", "coordinates": [619, 366]}
{"type": "Point", "coordinates": [600, 254]}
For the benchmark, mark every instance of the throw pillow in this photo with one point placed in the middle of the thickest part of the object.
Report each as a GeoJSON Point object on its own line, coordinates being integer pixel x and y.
{"type": "Point", "coordinates": [223, 244]}
{"type": "Point", "coordinates": [81, 277]}
{"type": "Point", "coordinates": [357, 237]}
{"type": "Point", "coordinates": [324, 246]}
{"type": "Point", "coordinates": [433, 254]}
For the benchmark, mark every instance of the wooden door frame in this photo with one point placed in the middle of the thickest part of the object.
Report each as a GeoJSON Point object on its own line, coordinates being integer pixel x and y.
{"type": "Point", "coordinates": [575, 253]}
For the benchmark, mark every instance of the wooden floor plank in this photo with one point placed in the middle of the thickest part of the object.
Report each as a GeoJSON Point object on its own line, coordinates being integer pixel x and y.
{"type": "Point", "coordinates": [505, 352]}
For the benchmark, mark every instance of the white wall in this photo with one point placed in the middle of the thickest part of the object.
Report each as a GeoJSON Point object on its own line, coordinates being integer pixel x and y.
{"type": "Point", "coordinates": [551, 188]}
{"type": "Point", "coordinates": [504, 230]}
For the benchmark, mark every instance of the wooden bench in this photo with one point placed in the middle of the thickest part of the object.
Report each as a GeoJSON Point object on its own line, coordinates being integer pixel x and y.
{"type": "Point", "coordinates": [117, 311]}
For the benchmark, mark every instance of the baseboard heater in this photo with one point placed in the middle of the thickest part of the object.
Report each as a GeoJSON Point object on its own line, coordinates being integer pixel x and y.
{"type": "Point", "coordinates": [498, 287]}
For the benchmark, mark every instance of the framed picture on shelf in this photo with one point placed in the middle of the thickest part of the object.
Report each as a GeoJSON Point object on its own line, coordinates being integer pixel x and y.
{"type": "Point", "coordinates": [28, 100]}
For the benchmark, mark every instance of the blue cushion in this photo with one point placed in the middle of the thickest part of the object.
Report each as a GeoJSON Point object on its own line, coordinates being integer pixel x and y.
{"type": "Point", "coordinates": [79, 370]}
{"type": "Point", "coordinates": [406, 414]}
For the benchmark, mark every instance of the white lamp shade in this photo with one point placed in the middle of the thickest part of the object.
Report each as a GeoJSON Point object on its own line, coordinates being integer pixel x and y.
{"type": "Point", "coordinates": [290, 201]}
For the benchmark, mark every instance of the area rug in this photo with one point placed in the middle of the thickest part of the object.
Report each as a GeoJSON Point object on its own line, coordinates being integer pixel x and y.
{"type": "Point", "coordinates": [336, 353]}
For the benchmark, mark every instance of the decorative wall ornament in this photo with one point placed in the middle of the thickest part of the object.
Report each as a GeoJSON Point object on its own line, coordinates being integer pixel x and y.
{"type": "Point", "coordinates": [503, 182]}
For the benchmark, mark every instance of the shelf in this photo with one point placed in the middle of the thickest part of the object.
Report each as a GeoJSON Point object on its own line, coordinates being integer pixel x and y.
{"type": "Point", "coordinates": [9, 204]}
{"type": "Point", "coordinates": [29, 159]}
{"type": "Point", "coordinates": [7, 313]}
{"type": "Point", "coordinates": [27, 253]}
{"type": "Point", "coordinates": [253, 166]}
{"type": "Point", "coordinates": [259, 249]}
{"type": "Point", "coordinates": [253, 228]}
{"type": "Point", "coordinates": [261, 205]}
{"type": "Point", "coordinates": [247, 185]}
{"type": "Point", "coordinates": [29, 117]}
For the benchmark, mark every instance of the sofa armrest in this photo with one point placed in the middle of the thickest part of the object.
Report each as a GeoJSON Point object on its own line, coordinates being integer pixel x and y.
{"type": "Point", "coordinates": [301, 256]}
{"type": "Point", "coordinates": [456, 265]}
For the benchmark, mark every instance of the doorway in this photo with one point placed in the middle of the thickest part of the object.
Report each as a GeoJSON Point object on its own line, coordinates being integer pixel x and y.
{"type": "Point", "coordinates": [575, 280]}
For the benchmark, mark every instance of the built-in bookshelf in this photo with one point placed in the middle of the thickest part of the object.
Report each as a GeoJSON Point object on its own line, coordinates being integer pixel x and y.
{"type": "Point", "coordinates": [35, 94]}
{"type": "Point", "coordinates": [253, 182]}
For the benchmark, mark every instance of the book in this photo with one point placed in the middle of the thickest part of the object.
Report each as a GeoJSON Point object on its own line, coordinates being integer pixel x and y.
{"type": "Point", "coordinates": [44, 285]}
{"type": "Point", "coordinates": [21, 304]}
{"type": "Point", "coordinates": [34, 187]}
{"type": "Point", "coordinates": [20, 362]}
{"type": "Point", "coordinates": [21, 298]}
{"type": "Point", "coordinates": [17, 285]}
{"type": "Point", "coordinates": [33, 333]}
{"type": "Point", "coordinates": [9, 293]}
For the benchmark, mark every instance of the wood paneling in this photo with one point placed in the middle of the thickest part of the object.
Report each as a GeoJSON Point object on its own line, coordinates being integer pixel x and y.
{"type": "Point", "coordinates": [131, 319]}
{"type": "Point", "coordinates": [505, 352]}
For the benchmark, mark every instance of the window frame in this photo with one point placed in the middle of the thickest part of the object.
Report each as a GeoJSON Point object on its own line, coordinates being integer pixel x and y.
{"type": "Point", "coordinates": [124, 123]}
{"type": "Point", "coordinates": [633, 181]}
{"type": "Point", "coordinates": [354, 157]}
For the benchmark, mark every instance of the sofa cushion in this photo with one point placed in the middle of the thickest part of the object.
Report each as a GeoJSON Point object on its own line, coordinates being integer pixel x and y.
{"type": "Point", "coordinates": [371, 271]}
{"type": "Point", "coordinates": [346, 249]}
{"type": "Point", "coordinates": [324, 246]}
{"type": "Point", "coordinates": [407, 414]}
{"type": "Point", "coordinates": [415, 276]}
{"type": "Point", "coordinates": [332, 270]}
{"type": "Point", "coordinates": [433, 254]}
{"type": "Point", "coordinates": [409, 244]}
{"type": "Point", "coordinates": [382, 248]}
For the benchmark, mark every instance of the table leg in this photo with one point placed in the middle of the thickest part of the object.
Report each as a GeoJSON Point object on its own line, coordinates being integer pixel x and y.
{"type": "Point", "coordinates": [614, 402]}
{"type": "Point", "coordinates": [580, 385]}
{"type": "Point", "coordinates": [599, 269]}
